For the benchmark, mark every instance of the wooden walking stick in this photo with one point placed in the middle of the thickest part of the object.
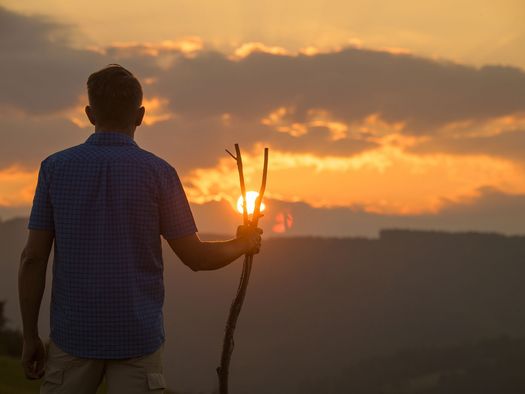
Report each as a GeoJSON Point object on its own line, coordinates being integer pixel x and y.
{"type": "Point", "coordinates": [235, 309]}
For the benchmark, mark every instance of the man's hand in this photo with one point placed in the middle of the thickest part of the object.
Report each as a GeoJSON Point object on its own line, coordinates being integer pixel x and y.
{"type": "Point", "coordinates": [33, 358]}
{"type": "Point", "coordinates": [252, 236]}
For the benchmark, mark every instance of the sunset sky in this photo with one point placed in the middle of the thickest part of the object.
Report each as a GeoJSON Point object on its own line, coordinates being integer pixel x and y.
{"type": "Point", "coordinates": [377, 113]}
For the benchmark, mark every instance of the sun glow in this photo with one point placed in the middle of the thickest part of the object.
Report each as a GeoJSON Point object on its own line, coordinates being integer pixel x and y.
{"type": "Point", "coordinates": [251, 197]}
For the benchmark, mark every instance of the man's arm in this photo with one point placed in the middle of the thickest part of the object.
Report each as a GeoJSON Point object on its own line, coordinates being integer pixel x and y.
{"type": "Point", "coordinates": [211, 255]}
{"type": "Point", "coordinates": [31, 284]}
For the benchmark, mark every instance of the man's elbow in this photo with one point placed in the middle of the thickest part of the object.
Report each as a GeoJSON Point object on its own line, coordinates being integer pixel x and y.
{"type": "Point", "coordinates": [190, 251]}
{"type": "Point", "coordinates": [26, 259]}
{"type": "Point", "coordinates": [194, 263]}
{"type": "Point", "coordinates": [31, 260]}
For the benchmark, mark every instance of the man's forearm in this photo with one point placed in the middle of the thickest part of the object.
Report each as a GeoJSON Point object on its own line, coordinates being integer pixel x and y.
{"type": "Point", "coordinates": [217, 254]}
{"type": "Point", "coordinates": [211, 255]}
{"type": "Point", "coordinates": [31, 285]}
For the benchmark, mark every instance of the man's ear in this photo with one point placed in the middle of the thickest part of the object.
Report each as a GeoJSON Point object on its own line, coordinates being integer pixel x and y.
{"type": "Point", "coordinates": [140, 116]}
{"type": "Point", "coordinates": [90, 114]}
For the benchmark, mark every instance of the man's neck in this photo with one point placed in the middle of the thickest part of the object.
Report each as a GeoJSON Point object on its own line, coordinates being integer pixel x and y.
{"type": "Point", "coordinates": [103, 129]}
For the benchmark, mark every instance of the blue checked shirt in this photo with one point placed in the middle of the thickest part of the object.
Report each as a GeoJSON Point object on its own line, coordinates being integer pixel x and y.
{"type": "Point", "coordinates": [108, 202]}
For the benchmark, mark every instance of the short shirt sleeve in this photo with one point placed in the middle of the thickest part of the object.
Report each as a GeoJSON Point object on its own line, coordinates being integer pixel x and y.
{"type": "Point", "coordinates": [41, 217]}
{"type": "Point", "coordinates": [176, 218]}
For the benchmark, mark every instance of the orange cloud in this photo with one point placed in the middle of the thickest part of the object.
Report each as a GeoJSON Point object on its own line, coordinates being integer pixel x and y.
{"type": "Point", "coordinates": [277, 120]}
{"type": "Point", "coordinates": [248, 48]}
{"type": "Point", "coordinates": [384, 180]}
{"type": "Point", "coordinates": [371, 128]}
{"type": "Point", "coordinates": [186, 45]}
{"type": "Point", "coordinates": [489, 128]}
{"type": "Point", "coordinates": [281, 119]}
{"type": "Point", "coordinates": [321, 118]}
{"type": "Point", "coordinates": [77, 114]}
{"type": "Point", "coordinates": [17, 186]}
{"type": "Point", "coordinates": [156, 111]}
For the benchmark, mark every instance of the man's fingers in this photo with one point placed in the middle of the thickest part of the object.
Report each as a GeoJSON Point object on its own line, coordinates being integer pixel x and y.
{"type": "Point", "coordinates": [257, 244]}
{"type": "Point", "coordinates": [34, 371]}
{"type": "Point", "coordinates": [253, 235]}
{"type": "Point", "coordinates": [248, 230]}
{"type": "Point", "coordinates": [33, 359]}
{"type": "Point", "coordinates": [29, 370]}
{"type": "Point", "coordinates": [40, 367]}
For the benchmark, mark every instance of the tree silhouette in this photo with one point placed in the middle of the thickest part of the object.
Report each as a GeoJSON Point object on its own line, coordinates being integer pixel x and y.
{"type": "Point", "coordinates": [10, 340]}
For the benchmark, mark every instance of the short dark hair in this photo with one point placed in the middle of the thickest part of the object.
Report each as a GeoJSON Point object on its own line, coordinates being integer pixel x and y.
{"type": "Point", "coordinates": [114, 94]}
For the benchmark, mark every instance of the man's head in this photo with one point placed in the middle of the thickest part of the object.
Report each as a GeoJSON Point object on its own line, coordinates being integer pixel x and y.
{"type": "Point", "coordinates": [115, 99]}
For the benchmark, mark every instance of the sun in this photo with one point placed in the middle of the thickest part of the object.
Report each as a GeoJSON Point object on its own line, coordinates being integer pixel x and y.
{"type": "Point", "coordinates": [250, 202]}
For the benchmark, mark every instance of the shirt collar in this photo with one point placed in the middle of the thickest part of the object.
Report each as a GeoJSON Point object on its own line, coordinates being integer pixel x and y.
{"type": "Point", "coordinates": [110, 138]}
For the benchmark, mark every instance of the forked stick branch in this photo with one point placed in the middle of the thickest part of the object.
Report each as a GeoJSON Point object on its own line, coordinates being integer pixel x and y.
{"type": "Point", "coordinates": [257, 209]}
{"type": "Point", "coordinates": [235, 309]}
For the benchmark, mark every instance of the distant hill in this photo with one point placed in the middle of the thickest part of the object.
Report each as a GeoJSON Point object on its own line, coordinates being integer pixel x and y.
{"type": "Point", "coordinates": [317, 306]}
{"type": "Point", "coordinates": [484, 367]}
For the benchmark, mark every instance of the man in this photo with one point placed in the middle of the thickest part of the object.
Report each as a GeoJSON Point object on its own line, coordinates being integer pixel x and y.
{"type": "Point", "coordinates": [105, 203]}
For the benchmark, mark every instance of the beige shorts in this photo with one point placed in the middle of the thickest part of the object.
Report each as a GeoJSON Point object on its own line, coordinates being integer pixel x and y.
{"type": "Point", "coordinates": [68, 374]}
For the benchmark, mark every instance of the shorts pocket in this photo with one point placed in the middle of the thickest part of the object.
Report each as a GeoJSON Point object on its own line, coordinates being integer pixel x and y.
{"type": "Point", "coordinates": [156, 381]}
{"type": "Point", "coordinates": [54, 375]}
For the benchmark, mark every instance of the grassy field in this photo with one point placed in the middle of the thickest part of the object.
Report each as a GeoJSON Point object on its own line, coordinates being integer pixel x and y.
{"type": "Point", "coordinates": [13, 381]}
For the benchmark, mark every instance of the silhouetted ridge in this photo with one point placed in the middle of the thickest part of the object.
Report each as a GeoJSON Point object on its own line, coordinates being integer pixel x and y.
{"type": "Point", "coordinates": [410, 235]}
